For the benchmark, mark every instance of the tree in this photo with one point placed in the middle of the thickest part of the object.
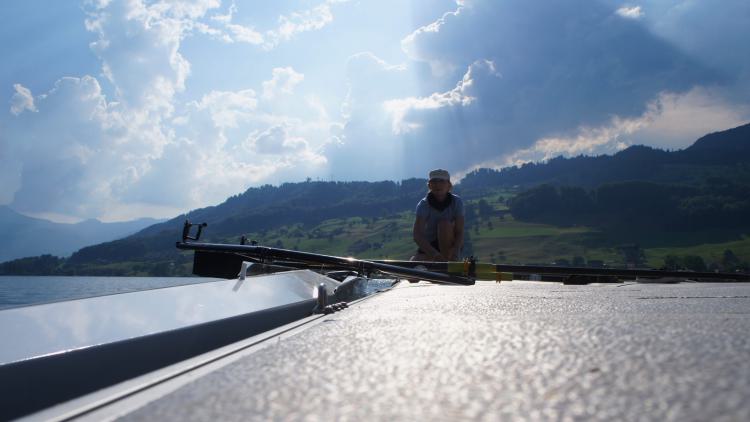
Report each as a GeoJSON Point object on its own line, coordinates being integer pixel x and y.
{"type": "Point", "coordinates": [485, 209]}
{"type": "Point", "coordinates": [672, 263]}
{"type": "Point", "coordinates": [729, 261]}
{"type": "Point", "coordinates": [694, 263]}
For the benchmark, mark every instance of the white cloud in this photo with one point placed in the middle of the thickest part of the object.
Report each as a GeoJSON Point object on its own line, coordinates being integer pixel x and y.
{"type": "Point", "coordinates": [284, 80]}
{"type": "Point", "coordinates": [632, 12]}
{"type": "Point", "coordinates": [21, 100]}
{"type": "Point", "coordinates": [587, 140]}
{"type": "Point", "coordinates": [671, 121]}
{"type": "Point", "coordinates": [676, 120]}
{"type": "Point", "coordinates": [228, 108]}
{"type": "Point", "coordinates": [275, 140]}
{"type": "Point", "coordinates": [138, 45]}
{"type": "Point", "coordinates": [288, 27]}
{"type": "Point", "coordinates": [306, 20]}
{"type": "Point", "coordinates": [245, 34]}
{"type": "Point", "coordinates": [416, 43]}
{"type": "Point", "coordinates": [79, 150]}
{"type": "Point", "coordinates": [85, 155]}
{"type": "Point", "coordinates": [457, 97]}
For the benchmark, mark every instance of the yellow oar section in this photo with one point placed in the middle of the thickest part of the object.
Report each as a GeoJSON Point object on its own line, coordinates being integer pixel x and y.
{"type": "Point", "coordinates": [482, 271]}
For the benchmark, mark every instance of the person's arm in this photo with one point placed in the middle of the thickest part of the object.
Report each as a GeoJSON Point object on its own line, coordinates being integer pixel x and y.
{"type": "Point", "coordinates": [421, 240]}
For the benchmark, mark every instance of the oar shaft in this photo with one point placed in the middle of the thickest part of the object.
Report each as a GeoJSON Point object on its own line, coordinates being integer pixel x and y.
{"type": "Point", "coordinates": [264, 252]}
{"type": "Point", "coordinates": [489, 269]}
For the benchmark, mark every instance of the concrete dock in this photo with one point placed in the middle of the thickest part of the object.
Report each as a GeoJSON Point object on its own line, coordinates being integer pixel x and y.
{"type": "Point", "coordinates": [511, 351]}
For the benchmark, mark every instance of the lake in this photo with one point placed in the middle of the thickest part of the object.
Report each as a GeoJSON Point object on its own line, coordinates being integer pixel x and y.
{"type": "Point", "coordinates": [31, 290]}
{"type": "Point", "coordinates": [18, 291]}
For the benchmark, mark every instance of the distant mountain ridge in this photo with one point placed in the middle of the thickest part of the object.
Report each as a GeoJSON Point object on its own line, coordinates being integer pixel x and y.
{"type": "Point", "coordinates": [261, 208]}
{"type": "Point", "coordinates": [722, 154]}
{"type": "Point", "coordinates": [26, 236]}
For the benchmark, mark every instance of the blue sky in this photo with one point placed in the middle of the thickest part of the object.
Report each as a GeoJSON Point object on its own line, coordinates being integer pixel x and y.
{"type": "Point", "coordinates": [124, 109]}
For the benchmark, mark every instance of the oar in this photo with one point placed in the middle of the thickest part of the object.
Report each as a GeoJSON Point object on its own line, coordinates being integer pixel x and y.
{"type": "Point", "coordinates": [484, 271]}
{"type": "Point", "coordinates": [360, 265]}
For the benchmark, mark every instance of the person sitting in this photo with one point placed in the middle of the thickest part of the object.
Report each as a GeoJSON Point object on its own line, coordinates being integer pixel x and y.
{"type": "Point", "coordinates": [439, 224]}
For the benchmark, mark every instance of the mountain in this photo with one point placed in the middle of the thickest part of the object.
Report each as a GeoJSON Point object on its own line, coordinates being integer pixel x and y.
{"type": "Point", "coordinates": [724, 154]}
{"type": "Point", "coordinates": [263, 208]}
{"type": "Point", "coordinates": [26, 236]}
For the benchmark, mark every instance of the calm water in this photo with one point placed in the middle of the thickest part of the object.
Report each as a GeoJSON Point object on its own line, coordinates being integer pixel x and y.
{"type": "Point", "coordinates": [30, 290]}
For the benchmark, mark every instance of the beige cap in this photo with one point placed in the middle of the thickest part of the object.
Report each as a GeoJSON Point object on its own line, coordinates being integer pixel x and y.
{"type": "Point", "coordinates": [440, 174]}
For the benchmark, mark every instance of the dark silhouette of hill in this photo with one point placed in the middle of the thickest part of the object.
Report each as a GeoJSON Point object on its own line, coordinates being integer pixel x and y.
{"type": "Point", "coordinates": [720, 148]}
{"type": "Point", "coordinates": [720, 154]}
{"type": "Point", "coordinates": [265, 207]}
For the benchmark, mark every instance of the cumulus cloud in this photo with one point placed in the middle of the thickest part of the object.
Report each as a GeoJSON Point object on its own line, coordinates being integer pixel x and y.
{"type": "Point", "coordinates": [307, 20]}
{"type": "Point", "coordinates": [416, 47]}
{"type": "Point", "coordinates": [138, 44]}
{"type": "Point", "coordinates": [632, 12]}
{"type": "Point", "coordinates": [289, 26]}
{"type": "Point", "coordinates": [460, 96]}
{"type": "Point", "coordinates": [671, 121]}
{"type": "Point", "coordinates": [283, 81]}
{"type": "Point", "coordinates": [76, 151]}
{"type": "Point", "coordinates": [22, 100]}
{"type": "Point", "coordinates": [83, 154]}
{"type": "Point", "coordinates": [275, 140]}
{"type": "Point", "coordinates": [227, 108]}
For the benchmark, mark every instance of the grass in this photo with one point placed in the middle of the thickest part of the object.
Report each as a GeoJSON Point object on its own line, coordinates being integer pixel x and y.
{"type": "Point", "coordinates": [710, 252]}
{"type": "Point", "coordinates": [499, 239]}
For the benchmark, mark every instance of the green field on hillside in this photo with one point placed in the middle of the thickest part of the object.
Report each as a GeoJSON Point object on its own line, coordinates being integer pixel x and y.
{"type": "Point", "coordinates": [491, 235]}
{"type": "Point", "coordinates": [497, 238]}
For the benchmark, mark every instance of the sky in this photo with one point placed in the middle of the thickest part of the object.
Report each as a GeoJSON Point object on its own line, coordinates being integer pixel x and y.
{"type": "Point", "coordinates": [120, 109]}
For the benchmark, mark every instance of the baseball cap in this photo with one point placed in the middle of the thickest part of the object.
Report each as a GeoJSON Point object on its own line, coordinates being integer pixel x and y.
{"type": "Point", "coordinates": [440, 174]}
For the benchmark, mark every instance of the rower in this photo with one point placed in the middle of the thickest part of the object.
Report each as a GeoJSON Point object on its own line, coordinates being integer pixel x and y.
{"type": "Point", "coordinates": [439, 224]}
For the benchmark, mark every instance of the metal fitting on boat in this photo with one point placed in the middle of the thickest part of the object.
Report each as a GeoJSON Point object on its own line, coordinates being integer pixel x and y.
{"type": "Point", "coordinates": [335, 307]}
{"type": "Point", "coordinates": [243, 269]}
{"type": "Point", "coordinates": [322, 303]}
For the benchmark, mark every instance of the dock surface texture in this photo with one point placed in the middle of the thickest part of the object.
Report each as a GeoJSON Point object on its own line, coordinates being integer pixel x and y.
{"type": "Point", "coordinates": [510, 351]}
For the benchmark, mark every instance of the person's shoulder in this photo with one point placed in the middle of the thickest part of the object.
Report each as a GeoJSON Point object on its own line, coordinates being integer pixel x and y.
{"type": "Point", "coordinates": [458, 205]}
{"type": "Point", "coordinates": [422, 206]}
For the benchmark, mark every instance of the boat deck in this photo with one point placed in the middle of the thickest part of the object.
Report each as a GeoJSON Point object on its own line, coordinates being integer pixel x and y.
{"type": "Point", "coordinates": [518, 350]}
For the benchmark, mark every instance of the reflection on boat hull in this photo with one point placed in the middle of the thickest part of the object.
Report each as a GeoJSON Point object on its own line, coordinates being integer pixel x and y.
{"type": "Point", "coordinates": [66, 349]}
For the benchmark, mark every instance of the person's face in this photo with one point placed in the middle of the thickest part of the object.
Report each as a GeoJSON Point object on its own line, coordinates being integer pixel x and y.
{"type": "Point", "coordinates": [439, 187]}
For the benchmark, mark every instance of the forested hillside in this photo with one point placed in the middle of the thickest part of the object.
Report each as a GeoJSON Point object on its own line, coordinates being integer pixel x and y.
{"type": "Point", "coordinates": [717, 204]}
